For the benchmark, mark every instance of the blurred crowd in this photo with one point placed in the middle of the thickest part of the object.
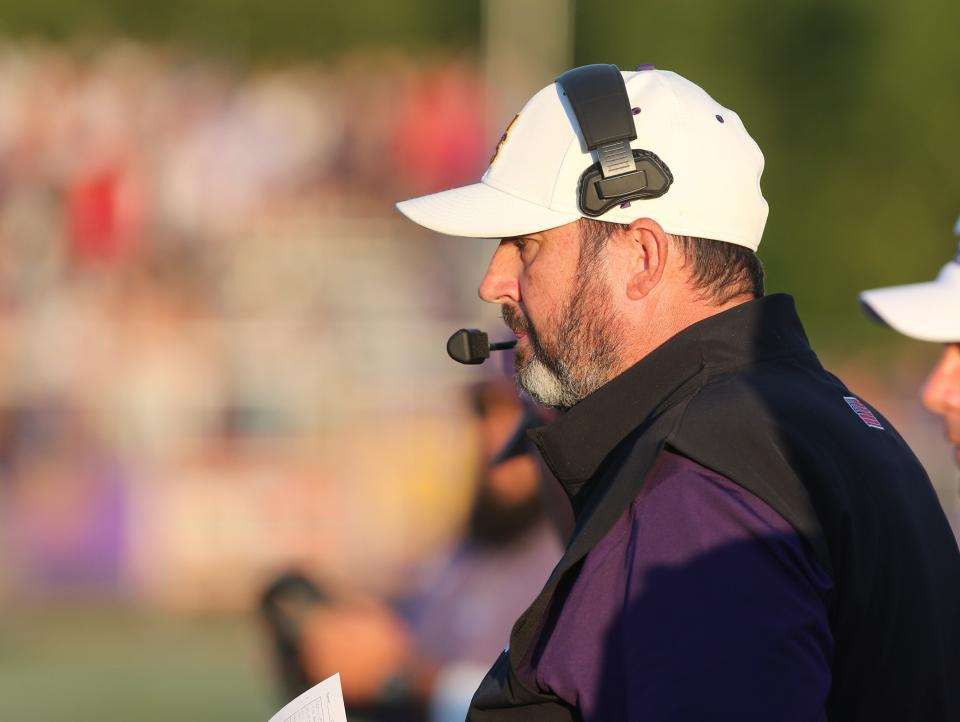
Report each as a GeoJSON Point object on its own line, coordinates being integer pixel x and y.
{"type": "Point", "coordinates": [107, 154]}
{"type": "Point", "coordinates": [209, 315]}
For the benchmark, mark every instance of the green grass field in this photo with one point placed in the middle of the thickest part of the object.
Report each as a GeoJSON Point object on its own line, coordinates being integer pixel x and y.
{"type": "Point", "coordinates": [113, 664]}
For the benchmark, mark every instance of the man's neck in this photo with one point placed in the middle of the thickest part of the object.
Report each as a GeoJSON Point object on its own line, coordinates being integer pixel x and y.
{"type": "Point", "coordinates": [667, 321]}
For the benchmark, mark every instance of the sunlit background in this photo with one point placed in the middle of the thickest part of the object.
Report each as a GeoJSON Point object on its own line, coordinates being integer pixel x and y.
{"type": "Point", "coordinates": [222, 349]}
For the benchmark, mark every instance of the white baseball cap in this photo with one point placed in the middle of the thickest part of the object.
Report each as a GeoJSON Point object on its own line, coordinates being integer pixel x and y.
{"type": "Point", "coordinates": [532, 182]}
{"type": "Point", "coordinates": [925, 311]}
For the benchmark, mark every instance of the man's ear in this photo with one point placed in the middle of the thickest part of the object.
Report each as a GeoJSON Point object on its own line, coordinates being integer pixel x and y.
{"type": "Point", "coordinates": [648, 246]}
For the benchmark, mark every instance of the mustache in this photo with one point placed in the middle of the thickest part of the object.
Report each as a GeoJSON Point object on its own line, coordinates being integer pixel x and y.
{"type": "Point", "coordinates": [515, 320]}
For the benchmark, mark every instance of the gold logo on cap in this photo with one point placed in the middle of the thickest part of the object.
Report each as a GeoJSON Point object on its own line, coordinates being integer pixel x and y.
{"type": "Point", "coordinates": [503, 139]}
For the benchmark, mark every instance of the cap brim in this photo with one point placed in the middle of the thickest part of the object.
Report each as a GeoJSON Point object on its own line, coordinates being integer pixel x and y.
{"type": "Point", "coordinates": [924, 311]}
{"type": "Point", "coordinates": [481, 211]}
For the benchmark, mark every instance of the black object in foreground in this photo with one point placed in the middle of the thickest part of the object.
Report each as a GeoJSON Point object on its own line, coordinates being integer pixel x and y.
{"type": "Point", "coordinates": [472, 346]}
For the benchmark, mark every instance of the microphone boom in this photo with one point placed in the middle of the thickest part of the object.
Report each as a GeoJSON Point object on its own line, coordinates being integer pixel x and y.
{"type": "Point", "coordinates": [472, 346]}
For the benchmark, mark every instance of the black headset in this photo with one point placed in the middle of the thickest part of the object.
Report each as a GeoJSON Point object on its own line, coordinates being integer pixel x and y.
{"type": "Point", "coordinates": [598, 97]}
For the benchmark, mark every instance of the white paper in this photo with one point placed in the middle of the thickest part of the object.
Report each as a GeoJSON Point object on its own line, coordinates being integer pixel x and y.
{"type": "Point", "coordinates": [321, 703]}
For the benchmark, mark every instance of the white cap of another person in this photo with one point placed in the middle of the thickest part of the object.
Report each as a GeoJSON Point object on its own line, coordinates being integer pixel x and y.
{"type": "Point", "coordinates": [532, 182]}
{"type": "Point", "coordinates": [925, 311]}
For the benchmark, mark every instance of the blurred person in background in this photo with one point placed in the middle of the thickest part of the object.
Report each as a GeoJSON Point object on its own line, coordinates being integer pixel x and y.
{"type": "Point", "coordinates": [753, 542]}
{"type": "Point", "coordinates": [421, 657]}
{"type": "Point", "coordinates": [929, 312]}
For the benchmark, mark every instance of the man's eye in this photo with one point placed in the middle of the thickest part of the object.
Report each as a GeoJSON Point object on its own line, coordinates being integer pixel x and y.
{"type": "Point", "coordinates": [527, 249]}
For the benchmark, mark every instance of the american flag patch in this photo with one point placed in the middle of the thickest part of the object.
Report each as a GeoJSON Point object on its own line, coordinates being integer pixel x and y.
{"type": "Point", "coordinates": [865, 414]}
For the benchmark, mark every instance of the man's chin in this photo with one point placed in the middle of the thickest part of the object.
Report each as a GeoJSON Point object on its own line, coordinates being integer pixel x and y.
{"type": "Point", "coordinates": [543, 386]}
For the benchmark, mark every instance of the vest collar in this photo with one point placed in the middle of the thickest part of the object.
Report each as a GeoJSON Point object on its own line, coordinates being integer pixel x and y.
{"type": "Point", "coordinates": [575, 445]}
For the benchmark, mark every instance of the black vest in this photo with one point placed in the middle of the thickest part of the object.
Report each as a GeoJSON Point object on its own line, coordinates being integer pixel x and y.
{"type": "Point", "coordinates": [743, 394]}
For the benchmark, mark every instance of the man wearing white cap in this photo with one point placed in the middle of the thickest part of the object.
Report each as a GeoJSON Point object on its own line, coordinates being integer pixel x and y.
{"type": "Point", "coordinates": [753, 541]}
{"type": "Point", "coordinates": [929, 312]}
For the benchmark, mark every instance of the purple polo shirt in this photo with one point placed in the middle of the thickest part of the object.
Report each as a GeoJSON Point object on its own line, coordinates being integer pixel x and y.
{"type": "Point", "coordinates": [700, 603]}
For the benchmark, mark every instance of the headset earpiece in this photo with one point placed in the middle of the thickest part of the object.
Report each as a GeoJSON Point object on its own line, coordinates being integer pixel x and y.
{"type": "Point", "coordinates": [597, 195]}
{"type": "Point", "coordinates": [598, 97]}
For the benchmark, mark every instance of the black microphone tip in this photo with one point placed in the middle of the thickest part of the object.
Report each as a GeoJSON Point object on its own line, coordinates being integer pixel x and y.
{"type": "Point", "coordinates": [469, 346]}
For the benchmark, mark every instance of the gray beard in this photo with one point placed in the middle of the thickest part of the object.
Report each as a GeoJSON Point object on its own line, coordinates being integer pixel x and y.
{"type": "Point", "coordinates": [584, 352]}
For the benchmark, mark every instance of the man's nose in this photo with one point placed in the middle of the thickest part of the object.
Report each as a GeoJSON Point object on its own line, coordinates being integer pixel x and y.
{"type": "Point", "coordinates": [501, 284]}
{"type": "Point", "coordinates": [941, 393]}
